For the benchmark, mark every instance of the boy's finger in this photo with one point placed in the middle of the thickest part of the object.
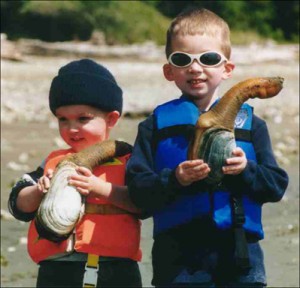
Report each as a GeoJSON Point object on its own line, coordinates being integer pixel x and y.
{"type": "Point", "coordinates": [231, 168]}
{"type": "Point", "coordinates": [83, 170]}
{"type": "Point", "coordinates": [77, 183]}
{"type": "Point", "coordinates": [80, 178]}
{"type": "Point", "coordinates": [203, 172]}
{"type": "Point", "coordinates": [46, 184]}
{"type": "Point", "coordinates": [238, 152]}
{"type": "Point", "coordinates": [233, 160]}
{"type": "Point", "coordinates": [191, 163]}
{"type": "Point", "coordinates": [49, 173]}
{"type": "Point", "coordinates": [82, 191]}
{"type": "Point", "coordinates": [201, 167]}
{"type": "Point", "coordinates": [39, 187]}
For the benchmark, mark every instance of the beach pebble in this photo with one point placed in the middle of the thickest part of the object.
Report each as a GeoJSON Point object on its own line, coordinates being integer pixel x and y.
{"type": "Point", "coordinates": [23, 241]}
{"type": "Point", "coordinates": [284, 161]}
{"type": "Point", "coordinates": [278, 153]}
{"type": "Point", "coordinates": [5, 215]}
{"type": "Point", "coordinates": [290, 140]}
{"type": "Point", "coordinates": [277, 119]}
{"type": "Point", "coordinates": [11, 249]}
{"type": "Point", "coordinates": [270, 112]}
{"type": "Point", "coordinates": [23, 157]}
{"type": "Point", "coordinates": [17, 167]}
{"type": "Point", "coordinates": [281, 146]}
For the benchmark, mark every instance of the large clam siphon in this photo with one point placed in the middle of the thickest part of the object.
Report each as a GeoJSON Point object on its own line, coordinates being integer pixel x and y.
{"type": "Point", "coordinates": [63, 205]}
{"type": "Point", "coordinates": [213, 139]}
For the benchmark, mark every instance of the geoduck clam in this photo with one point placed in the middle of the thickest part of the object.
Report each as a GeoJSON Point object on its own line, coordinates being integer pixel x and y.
{"type": "Point", "coordinates": [214, 139]}
{"type": "Point", "coordinates": [62, 206]}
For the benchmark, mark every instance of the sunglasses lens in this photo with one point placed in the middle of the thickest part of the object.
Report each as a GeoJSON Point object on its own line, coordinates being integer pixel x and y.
{"type": "Point", "coordinates": [210, 58]}
{"type": "Point", "coordinates": [180, 59]}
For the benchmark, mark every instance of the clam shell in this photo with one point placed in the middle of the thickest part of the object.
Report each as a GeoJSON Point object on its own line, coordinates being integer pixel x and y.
{"type": "Point", "coordinates": [61, 207]}
{"type": "Point", "coordinates": [215, 147]}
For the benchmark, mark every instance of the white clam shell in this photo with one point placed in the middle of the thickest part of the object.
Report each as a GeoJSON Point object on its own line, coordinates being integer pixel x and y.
{"type": "Point", "coordinates": [62, 205]}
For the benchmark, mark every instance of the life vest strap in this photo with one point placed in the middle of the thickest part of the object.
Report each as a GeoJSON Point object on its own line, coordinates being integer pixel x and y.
{"type": "Point", "coordinates": [104, 209]}
{"type": "Point", "coordinates": [186, 130]}
{"type": "Point", "coordinates": [241, 253]}
{"type": "Point", "coordinates": [242, 134]}
{"type": "Point", "coordinates": [90, 276]}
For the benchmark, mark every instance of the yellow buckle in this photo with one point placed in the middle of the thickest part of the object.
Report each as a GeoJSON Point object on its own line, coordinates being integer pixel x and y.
{"type": "Point", "coordinates": [91, 271]}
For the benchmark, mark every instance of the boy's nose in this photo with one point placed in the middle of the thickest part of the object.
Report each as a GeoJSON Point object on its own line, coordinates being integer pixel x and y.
{"type": "Point", "coordinates": [73, 127]}
{"type": "Point", "coordinates": [195, 67]}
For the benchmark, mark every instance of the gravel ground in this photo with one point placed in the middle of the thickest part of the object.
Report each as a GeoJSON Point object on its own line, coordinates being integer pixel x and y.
{"type": "Point", "coordinates": [28, 133]}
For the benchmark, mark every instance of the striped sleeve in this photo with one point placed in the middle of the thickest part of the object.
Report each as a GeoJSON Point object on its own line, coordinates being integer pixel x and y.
{"type": "Point", "coordinates": [28, 179]}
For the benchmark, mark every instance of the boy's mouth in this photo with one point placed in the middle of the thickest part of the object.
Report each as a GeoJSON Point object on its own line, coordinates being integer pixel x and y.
{"type": "Point", "coordinates": [76, 139]}
{"type": "Point", "coordinates": [196, 81]}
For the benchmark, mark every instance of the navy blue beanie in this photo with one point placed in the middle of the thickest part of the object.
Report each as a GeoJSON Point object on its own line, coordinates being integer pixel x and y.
{"type": "Point", "coordinates": [84, 82]}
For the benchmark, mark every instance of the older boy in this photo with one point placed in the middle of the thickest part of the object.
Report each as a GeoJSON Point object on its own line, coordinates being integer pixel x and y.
{"type": "Point", "coordinates": [193, 243]}
{"type": "Point", "coordinates": [87, 102]}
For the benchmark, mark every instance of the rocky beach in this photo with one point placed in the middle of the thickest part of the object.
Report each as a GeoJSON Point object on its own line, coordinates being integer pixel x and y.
{"type": "Point", "coordinates": [29, 133]}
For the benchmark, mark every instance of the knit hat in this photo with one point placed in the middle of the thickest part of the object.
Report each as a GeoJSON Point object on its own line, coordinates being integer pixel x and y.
{"type": "Point", "coordinates": [84, 82]}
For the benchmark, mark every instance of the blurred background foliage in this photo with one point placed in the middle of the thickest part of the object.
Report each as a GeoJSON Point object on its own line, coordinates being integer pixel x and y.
{"type": "Point", "coordinates": [127, 22]}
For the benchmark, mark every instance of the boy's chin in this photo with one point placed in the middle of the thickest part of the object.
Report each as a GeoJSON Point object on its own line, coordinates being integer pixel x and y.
{"type": "Point", "coordinates": [77, 148]}
{"type": "Point", "coordinates": [195, 96]}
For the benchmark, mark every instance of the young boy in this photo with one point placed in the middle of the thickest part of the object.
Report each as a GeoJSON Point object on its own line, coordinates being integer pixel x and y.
{"type": "Point", "coordinates": [195, 242]}
{"type": "Point", "coordinates": [87, 102]}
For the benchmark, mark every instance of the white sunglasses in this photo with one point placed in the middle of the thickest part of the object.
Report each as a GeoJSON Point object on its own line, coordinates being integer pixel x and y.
{"type": "Point", "coordinates": [207, 59]}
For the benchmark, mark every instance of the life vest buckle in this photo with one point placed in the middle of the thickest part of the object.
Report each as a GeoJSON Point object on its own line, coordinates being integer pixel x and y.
{"type": "Point", "coordinates": [90, 276]}
{"type": "Point", "coordinates": [239, 220]}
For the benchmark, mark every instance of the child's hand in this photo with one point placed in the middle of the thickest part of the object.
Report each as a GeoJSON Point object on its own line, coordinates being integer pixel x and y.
{"type": "Point", "coordinates": [44, 182]}
{"type": "Point", "coordinates": [190, 171]}
{"type": "Point", "coordinates": [86, 182]}
{"type": "Point", "coordinates": [237, 164]}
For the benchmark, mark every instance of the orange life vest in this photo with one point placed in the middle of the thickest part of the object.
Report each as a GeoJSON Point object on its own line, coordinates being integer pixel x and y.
{"type": "Point", "coordinates": [114, 235]}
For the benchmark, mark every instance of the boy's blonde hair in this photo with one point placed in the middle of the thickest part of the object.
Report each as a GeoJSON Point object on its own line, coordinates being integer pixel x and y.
{"type": "Point", "coordinates": [203, 22]}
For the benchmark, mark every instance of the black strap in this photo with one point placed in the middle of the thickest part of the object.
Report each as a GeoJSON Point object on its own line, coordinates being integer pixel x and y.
{"type": "Point", "coordinates": [242, 134]}
{"type": "Point", "coordinates": [185, 130]}
{"type": "Point", "coordinates": [241, 253]}
{"type": "Point", "coordinates": [188, 130]}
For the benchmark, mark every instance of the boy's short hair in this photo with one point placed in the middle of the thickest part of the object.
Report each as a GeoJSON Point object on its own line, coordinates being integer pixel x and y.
{"type": "Point", "coordinates": [199, 21]}
{"type": "Point", "coordinates": [84, 82]}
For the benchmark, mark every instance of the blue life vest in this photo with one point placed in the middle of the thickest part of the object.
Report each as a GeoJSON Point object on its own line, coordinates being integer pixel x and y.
{"type": "Point", "coordinates": [172, 119]}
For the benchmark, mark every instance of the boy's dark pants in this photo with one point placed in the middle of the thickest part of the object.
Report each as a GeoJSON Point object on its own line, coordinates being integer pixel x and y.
{"type": "Point", "coordinates": [123, 273]}
{"type": "Point", "coordinates": [216, 271]}
{"type": "Point", "coordinates": [187, 257]}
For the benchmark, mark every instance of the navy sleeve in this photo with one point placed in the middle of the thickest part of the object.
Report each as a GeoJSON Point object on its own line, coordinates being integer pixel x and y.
{"type": "Point", "coordinates": [263, 181]}
{"type": "Point", "coordinates": [149, 190]}
{"type": "Point", "coordinates": [28, 179]}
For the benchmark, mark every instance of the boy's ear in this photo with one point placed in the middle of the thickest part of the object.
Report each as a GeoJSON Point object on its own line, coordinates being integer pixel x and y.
{"type": "Point", "coordinates": [112, 118]}
{"type": "Point", "coordinates": [228, 68]}
{"type": "Point", "coordinates": [168, 72]}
